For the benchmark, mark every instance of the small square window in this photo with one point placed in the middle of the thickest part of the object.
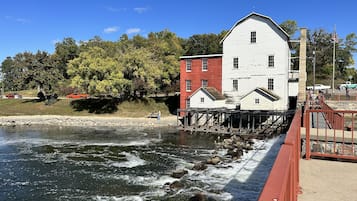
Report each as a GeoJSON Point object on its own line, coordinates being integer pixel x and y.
{"type": "Point", "coordinates": [202, 100]}
{"type": "Point", "coordinates": [257, 101]}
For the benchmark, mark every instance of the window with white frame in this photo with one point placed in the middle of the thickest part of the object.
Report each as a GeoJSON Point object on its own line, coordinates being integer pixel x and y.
{"type": "Point", "coordinates": [188, 85]}
{"type": "Point", "coordinates": [188, 65]}
{"type": "Point", "coordinates": [204, 83]}
{"type": "Point", "coordinates": [271, 61]}
{"type": "Point", "coordinates": [202, 99]}
{"type": "Point", "coordinates": [253, 37]}
{"type": "Point", "coordinates": [188, 104]}
{"type": "Point", "coordinates": [204, 64]}
{"type": "Point", "coordinates": [271, 84]}
{"type": "Point", "coordinates": [235, 85]}
{"type": "Point", "coordinates": [235, 62]}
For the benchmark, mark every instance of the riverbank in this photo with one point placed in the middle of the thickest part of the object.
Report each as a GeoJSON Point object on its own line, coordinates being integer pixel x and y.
{"type": "Point", "coordinates": [87, 121]}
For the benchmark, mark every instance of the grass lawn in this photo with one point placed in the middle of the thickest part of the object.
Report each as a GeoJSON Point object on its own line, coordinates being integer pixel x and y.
{"type": "Point", "coordinates": [85, 107]}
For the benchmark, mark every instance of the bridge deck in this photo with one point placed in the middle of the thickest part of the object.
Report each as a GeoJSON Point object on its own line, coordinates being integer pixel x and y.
{"type": "Point", "coordinates": [327, 180]}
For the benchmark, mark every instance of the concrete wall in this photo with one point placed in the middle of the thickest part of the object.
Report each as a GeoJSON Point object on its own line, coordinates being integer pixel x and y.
{"type": "Point", "coordinates": [253, 68]}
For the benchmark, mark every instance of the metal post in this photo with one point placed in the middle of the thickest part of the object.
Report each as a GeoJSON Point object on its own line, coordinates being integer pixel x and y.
{"type": "Point", "coordinates": [307, 136]}
{"type": "Point", "coordinates": [2, 85]}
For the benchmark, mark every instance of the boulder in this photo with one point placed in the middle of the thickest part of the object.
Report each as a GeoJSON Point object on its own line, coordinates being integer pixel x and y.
{"type": "Point", "coordinates": [214, 160]}
{"type": "Point", "coordinates": [198, 197]}
{"type": "Point", "coordinates": [199, 166]}
{"type": "Point", "coordinates": [179, 173]}
{"type": "Point", "coordinates": [176, 185]}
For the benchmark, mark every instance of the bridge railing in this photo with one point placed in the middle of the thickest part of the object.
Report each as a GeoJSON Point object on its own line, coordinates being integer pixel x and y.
{"type": "Point", "coordinates": [332, 133]}
{"type": "Point", "coordinates": [283, 181]}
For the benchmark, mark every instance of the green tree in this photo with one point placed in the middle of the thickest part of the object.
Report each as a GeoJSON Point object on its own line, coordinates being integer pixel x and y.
{"type": "Point", "coordinates": [321, 42]}
{"type": "Point", "coordinates": [202, 44]}
{"type": "Point", "coordinates": [9, 73]}
{"type": "Point", "coordinates": [95, 73]}
{"type": "Point", "coordinates": [64, 52]}
{"type": "Point", "coordinates": [166, 47]}
{"type": "Point", "coordinates": [28, 71]}
{"type": "Point", "coordinates": [41, 72]}
{"type": "Point", "coordinates": [290, 27]}
{"type": "Point", "coordinates": [141, 68]}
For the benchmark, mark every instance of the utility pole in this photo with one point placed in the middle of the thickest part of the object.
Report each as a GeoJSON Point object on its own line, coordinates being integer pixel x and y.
{"type": "Point", "coordinates": [314, 65]}
{"type": "Point", "coordinates": [334, 60]}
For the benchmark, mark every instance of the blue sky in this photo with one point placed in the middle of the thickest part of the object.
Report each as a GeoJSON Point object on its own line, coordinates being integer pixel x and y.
{"type": "Point", "coordinates": [31, 25]}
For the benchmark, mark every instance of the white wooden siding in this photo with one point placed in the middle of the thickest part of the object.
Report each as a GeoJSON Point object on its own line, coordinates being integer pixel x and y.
{"type": "Point", "coordinates": [253, 68]}
{"type": "Point", "coordinates": [249, 103]}
{"type": "Point", "coordinates": [195, 101]}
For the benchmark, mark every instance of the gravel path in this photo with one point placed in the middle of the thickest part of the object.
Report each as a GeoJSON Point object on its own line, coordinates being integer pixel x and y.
{"type": "Point", "coordinates": [86, 121]}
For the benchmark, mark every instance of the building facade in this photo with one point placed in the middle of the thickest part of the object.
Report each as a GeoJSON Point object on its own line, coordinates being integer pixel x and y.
{"type": "Point", "coordinates": [256, 54]}
{"type": "Point", "coordinates": [199, 71]}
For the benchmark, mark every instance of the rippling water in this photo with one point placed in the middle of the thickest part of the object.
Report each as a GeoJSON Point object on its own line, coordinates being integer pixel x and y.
{"type": "Point", "coordinates": [123, 164]}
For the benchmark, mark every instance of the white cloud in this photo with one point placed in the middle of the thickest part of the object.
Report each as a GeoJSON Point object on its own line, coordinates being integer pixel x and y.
{"type": "Point", "coordinates": [113, 9]}
{"type": "Point", "coordinates": [141, 10]}
{"type": "Point", "coordinates": [133, 30]}
{"type": "Point", "coordinates": [22, 20]}
{"type": "Point", "coordinates": [111, 29]}
{"type": "Point", "coordinates": [15, 19]}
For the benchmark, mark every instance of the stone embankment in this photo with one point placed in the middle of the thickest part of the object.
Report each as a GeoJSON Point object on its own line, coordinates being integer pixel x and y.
{"type": "Point", "coordinates": [86, 121]}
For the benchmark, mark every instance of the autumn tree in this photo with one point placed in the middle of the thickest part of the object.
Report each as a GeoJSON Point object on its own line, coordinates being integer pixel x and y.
{"type": "Point", "coordinates": [140, 69]}
{"type": "Point", "coordinates": [95, 73]}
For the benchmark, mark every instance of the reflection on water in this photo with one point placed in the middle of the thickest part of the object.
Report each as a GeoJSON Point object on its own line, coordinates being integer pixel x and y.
{"type": "Point", "coordinates": [108, 164]}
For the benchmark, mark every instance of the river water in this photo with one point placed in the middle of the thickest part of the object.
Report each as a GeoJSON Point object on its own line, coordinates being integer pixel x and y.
{"type": "Point", "coordinates": [124, 164]}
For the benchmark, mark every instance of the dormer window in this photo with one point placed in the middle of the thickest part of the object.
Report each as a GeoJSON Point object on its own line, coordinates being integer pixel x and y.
{"type": "Point", "coordinates": [253, 37]}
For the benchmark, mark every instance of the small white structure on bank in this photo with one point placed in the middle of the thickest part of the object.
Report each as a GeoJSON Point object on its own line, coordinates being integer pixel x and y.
{"type": "Point", "coordinates": [259, 99]}
{"type": "Point", "coordinates": [256, 64]}
{"type": "Point", "coordinates": [207, 97]}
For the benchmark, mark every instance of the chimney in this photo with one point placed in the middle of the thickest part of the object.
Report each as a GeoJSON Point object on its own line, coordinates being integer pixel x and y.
{"type": "Point", "coordinates": [302, 67]}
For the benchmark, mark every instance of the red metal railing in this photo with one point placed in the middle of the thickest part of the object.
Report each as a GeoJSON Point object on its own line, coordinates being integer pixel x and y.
{"type": "Point", "coordinates": [333, 119]}
{"type": "Point", "coordinates": [332, 134]}
{"type": "Point", "coordinates": [283, 181]}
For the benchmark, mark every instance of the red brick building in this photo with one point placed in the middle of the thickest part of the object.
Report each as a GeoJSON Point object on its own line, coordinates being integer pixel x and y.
{"type": "Point", "coordinates": [199, 71]}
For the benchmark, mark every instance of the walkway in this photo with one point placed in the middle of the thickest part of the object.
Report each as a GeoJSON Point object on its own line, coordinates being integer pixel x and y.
{"type": "Point", "coordinates": [328, 180]}
{"type": "Point", "coordinates": [325, 179]}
